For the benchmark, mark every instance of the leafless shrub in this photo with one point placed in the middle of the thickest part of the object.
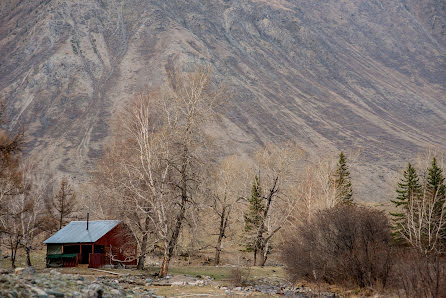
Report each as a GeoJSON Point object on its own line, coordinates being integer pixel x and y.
{"type": "Point", "coordinates": [418, 275]}
{"type": "Point", "coordinates": [346, 245]}
{"type": "Point", "coordinates": [239, 277]}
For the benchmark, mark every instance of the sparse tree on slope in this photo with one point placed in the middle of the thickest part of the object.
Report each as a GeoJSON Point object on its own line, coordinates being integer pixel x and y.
{"type": "Point", "coordinates": [342, 182]}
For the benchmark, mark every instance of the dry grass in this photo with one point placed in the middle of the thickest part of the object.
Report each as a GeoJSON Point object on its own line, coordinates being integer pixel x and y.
{"type": "Point", "coordinates": [37, 259]}
{"type": "Point", "coordinates": [223, 273]}
{"type": "Point", "coordinates": [191, 291]}
{"type": "Point", "coordinates": [219, 273]}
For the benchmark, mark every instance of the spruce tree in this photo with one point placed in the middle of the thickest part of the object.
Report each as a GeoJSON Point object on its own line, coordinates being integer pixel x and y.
{"type": "Point", "coordinates": [342, 182]}
{"type": "Point", "coordinates": [408, 189]}
{"type": "Point", "coordinates": [436, 191]}
{"type": "Point", "coordinates": [435, 181]}
{"type": "Point", "coordinates": [253, 217]}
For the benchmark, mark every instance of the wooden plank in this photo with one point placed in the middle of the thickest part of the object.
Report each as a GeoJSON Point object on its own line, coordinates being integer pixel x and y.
{"type": "Point", "coordinates": [109, 272]}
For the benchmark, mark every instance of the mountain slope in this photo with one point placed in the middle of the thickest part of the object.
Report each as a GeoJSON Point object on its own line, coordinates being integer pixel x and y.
{"type": "Point", "coordinates": [333, 75]}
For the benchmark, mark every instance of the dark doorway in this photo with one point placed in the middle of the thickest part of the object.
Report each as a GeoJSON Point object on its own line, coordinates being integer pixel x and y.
{"type": "Point", "coordinates": [86, 251]}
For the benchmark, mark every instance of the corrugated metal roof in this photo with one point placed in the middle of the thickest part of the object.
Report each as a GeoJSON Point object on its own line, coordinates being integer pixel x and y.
{"type": "Point", "coordinates": [76, 231]}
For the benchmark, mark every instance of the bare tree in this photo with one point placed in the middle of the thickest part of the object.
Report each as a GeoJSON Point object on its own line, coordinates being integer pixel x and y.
{"type": "Point", "coordinates": [314, 190]}
{"type": "Point", "coordinates": [63, 205]}
{"type": "Point", "coordinates": [33, 220]}
{"type": "Point", "coordinates": [277, 168]}
{"type": "Point", "coordinates": [11, 186]}
{"type": "Point", "coordinates": [188, 107]}
{"type": "Point", "coordinates": [226, 185]}
{"type": "Point", "coordinates": [158, 149]}
{"type": "Point", "coordinates": [121, 181]}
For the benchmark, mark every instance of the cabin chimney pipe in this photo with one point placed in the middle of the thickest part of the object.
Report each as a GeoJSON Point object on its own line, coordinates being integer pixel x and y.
{"type": "Point", "coordinates": [88, 215]}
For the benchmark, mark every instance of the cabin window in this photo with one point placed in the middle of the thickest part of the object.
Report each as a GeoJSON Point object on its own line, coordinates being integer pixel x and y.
{"type": "Point", "coordinates": [53, 249]}
{"type": "Point", "coordinates": [71, 249]}
{"type": "Point", "coordinates": [99, 249]}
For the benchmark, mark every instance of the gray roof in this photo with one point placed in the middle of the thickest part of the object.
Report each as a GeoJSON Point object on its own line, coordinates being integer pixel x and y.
{"type": "Point", "coordinates": [76, 231]}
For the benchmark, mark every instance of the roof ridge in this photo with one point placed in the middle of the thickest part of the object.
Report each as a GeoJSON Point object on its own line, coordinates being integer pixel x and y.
{"type": "Point", "coordinates": [96, 220]}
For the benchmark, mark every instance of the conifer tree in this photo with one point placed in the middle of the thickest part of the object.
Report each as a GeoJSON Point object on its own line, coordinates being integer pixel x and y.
{"type": "Point", "coordinates": [253, 217]}
{"type": "Point", "coordinates": [435, 181]}
{"type": "Point", "coordinates": [342, 182]}
{"type": "Point", "coordinates": [436, 190]}
{"type": "Point", "coordinates": [408, 189]}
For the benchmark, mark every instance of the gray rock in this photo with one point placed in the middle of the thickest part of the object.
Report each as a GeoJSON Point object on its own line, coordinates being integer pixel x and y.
{"type": "Point", "coordinates": [55, 293]}
{"type": "Point", "coordinates": [19, 270]}
{"type": "Point", "coordinates": [29, 270]}
{"type": "Point", "coordinates": [95, 290]}
{"type": "Point", "coordinates": [117, 293]}
{"type": "Point", "coordinates": [55, 272]}
{"type": "Point", "coordinates": [40, 293]}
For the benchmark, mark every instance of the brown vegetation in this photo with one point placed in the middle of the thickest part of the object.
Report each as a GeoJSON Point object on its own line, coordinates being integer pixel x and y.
{"type": "Point", "coordinates": [346, 245]}
{"type": "Point", "coordinates": [415, 274]}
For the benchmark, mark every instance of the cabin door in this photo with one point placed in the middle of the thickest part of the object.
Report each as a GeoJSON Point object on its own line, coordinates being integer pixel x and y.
{"type": "Point", "coordinates": [86, 251]}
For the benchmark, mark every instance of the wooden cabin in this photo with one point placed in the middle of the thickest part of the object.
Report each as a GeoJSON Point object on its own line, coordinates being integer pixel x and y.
{"type": "Point", "coordinates": [93, 243]}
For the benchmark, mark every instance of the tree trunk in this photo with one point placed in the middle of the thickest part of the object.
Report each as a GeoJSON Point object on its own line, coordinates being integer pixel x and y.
{"type": "Point", "coordinates": [165, 265]}
{"type": "Point", "coordinates": [261, 257]}
{"type": "Point", "coordinates": [258, 243]}
{"type": "Point", "coordinates": [260, 240]}
{"type": "Point", "coordinates": [13, 254]}
{"type": "Point", "coordinates": [62, 209]}
{"type": "Point", "coordinates": [141, 261]}
{"type": "Point", "coordinates": [263, 254]}
{"type": "Point", "coordinates": [28, 257]}
{"type": "Point", "coordinates": [217, 253]}
{"type": "Point", "coordinates": [255, 256]}
{"type": "Point", "coordinates": [60, 220]}
{"type": "Point", "coordinates": [223, 224]}
{"type": "Point", "coordinates": [168, 251]}
{"type": "Point", "coordinates": [142, 256]}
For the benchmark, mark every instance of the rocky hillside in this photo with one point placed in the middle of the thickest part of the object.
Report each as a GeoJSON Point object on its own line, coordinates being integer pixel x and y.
{"type": "Point", "coordinates": [331, 75]}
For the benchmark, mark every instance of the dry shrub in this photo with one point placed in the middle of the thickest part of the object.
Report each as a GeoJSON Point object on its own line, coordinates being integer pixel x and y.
{"type": "Point", "coordinates": [239, 277]}
{"type": "Point", "coordinates": [418, 275]}
{"type": "Point", "coordinates": [344, 245]}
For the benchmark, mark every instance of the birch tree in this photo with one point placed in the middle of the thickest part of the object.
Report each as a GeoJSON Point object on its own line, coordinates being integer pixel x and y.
{"type": "Point", "coordinates": [423, 222]}
{"type": "Point", "coordinates": [159, 147]}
